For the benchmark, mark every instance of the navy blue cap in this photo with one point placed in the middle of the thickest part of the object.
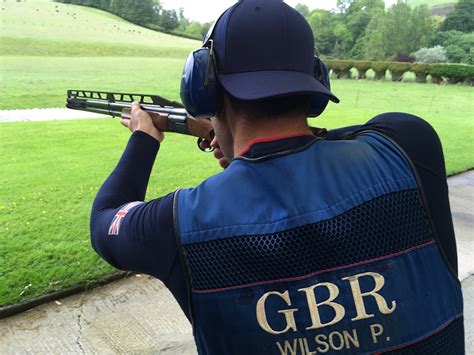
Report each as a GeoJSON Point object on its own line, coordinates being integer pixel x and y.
{"type": "Point", "coordinates": [263, 49]}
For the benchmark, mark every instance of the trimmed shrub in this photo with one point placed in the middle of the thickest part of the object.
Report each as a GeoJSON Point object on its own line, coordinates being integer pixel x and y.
{"type": "Point", "coordinates": [379, 68]}
{"type": "Point", "coordinates": [402, 57]}
{"type": "Point", "coordinates": [436, 54]}
{"type": "Point", "coordinates": [362, 67]}
{"type": "Point", "coordinates": [342, 68]}
{"type": "Point", "coordinates": [397, 69]}
{"type": "Point", "coordinates": [421, 71]}
{"type": "Point", "coordinates": [454, 73]}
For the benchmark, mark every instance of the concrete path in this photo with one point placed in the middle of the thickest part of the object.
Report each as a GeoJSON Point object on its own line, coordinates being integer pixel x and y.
{"type": "Point", "coordinates": [139, 315]}
{"type": "Point", "coordinates": [45, 114]}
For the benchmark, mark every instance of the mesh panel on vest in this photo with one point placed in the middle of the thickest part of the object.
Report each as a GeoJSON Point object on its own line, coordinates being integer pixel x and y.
{"type": "Point", "coordinates": [384, 225]}
{"type": "Point", "coordinates": [450, 340]}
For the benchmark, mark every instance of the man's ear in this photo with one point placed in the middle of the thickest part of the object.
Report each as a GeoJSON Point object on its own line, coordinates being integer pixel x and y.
{"type": "Point", "coordinates": [229, 113]}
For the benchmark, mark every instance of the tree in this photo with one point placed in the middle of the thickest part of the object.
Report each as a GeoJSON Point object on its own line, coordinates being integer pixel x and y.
{"type": "Point", "coordinates": [399, 30]}
{"type": "Point", "coordinates": [359, 14]}
{"type": "Point", "coordinates": [332, 38]}
{"type": "Point", "coordinates": [168, 19]}
{"type": "Point", "coordinates": [343, 5]}
{"type": "Point", "coordinates": [323, 22]}
{"type": "Point", "coordinates": [458, 46]}
{"type": "Point", "coordinates": [205, 28]}
{"type": "Point", "coordinates": [356, 16]}
{"type": "Point", "coordinates": [461, 19]}
{"type": "Point", "coordinates": [303, 10]}
{"type": "Point", "coordinates": [462, 51]}
{"type": "Point", "coordinates": [194, 29]}
{"type": "Point", "coordinates": [183, 21]}
{"type": "Point", "coordinates": [396, 32]}
{"type": "Point", "coordinates": [344, 41]}
{"type": "Point", "coordinates": [141, 12]}
{"type": "Point", "coordinates": [422, 28]}
{"type": "Point", "coordinates": [372, 44]}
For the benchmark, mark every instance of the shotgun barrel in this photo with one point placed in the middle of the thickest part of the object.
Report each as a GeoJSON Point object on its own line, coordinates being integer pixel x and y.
{"type": "Point", "coordinates": [167, 115]}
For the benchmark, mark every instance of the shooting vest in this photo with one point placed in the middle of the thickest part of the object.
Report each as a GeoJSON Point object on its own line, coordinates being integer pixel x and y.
{"type": "Point", "coordinates": [324, 249]}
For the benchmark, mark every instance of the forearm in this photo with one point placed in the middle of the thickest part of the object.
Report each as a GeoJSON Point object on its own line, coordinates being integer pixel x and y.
{"type": "Point", "coordinates": [129, 180]}
{"type": "Point", "coordinates": [127, 183]}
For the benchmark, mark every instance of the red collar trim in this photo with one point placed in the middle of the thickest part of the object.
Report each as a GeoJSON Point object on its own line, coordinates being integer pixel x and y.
{"type": "Point", "coordinates": [270, 139]}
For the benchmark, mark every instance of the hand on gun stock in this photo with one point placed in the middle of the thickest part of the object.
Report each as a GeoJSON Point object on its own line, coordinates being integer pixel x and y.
{"type": "Point", "coordinates": [140, 120]}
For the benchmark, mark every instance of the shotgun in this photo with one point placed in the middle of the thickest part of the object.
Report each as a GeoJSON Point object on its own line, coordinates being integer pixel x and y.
{"type": "Point", "coordinates": [167, 116]}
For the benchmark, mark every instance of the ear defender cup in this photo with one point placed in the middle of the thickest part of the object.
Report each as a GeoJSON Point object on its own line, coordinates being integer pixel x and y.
{"type": "Point", "coordinates": [318, 103]}
{"type": "Point", "coordinates": [198, 84]}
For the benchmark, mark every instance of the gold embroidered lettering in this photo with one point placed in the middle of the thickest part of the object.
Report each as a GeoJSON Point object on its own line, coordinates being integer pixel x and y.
{"type": "Point", "coordinates": [358, 295]}
{"type": "Point", "coordinates": [333, 343]}
{"type": "Point", "coordinates": [262, 315]}
{"type": "Point", "coordinates": [313, 305]}
{"type": "Point", "coordinates": [354, 339]}
{"type": "Point", "coordinates": [306, 347]}
{"type": "Point", "coordinates": [376, 330]}
{"type": "Point", "coordinates": [288, 349]}
{"type": "Point", "coordinates": [321, 340]}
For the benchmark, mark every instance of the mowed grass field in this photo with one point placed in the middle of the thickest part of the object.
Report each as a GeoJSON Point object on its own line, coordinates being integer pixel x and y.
{"type": "Point", "coordinates": [51, 171]}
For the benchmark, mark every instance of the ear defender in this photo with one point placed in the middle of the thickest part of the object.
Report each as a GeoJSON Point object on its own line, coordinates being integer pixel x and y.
{"type": "Point", "coordinates": [318, 103]}
{"type": "Point", "coordinates": [198, 83]}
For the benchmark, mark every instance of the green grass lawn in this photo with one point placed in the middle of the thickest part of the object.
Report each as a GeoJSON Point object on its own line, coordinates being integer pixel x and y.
{"type": "Point", "coordinates": [49, 21]}
{"type": "Point", "coordinates": [430, 3]}
{"type": "Point", "coordinates": [50, 171]}
{"type": "Point", "coordinates": [42, 81]}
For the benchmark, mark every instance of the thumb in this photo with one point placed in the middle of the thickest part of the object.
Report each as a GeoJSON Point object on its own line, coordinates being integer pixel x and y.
{"type": "Point", "coordinates": [135, 106]}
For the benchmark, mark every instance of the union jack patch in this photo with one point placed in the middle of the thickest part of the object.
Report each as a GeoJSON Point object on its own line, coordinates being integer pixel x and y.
{"type": "Point", "coordinates": [114, 228]}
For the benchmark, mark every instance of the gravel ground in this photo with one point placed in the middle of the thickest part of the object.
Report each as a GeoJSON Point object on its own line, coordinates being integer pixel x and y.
{"type": "Point", "coordinates": [45, 114]}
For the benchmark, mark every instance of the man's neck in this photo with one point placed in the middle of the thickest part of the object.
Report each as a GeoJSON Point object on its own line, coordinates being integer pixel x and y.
{"type": "Point", "coordinates": [247, 131]}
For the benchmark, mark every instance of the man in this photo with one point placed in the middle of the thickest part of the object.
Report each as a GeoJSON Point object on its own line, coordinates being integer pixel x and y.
{"type": "Point", "coordinates": [301, 245]}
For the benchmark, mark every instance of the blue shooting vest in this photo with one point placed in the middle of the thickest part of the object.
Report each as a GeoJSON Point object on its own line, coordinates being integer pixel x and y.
{"type": "Point", "coordinates": [324, 249]}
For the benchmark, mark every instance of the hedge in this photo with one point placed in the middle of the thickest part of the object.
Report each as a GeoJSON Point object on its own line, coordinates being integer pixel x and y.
{"type": "Point", "coordinates": [421, 71]}
{"type": "Point", "coordinates": [342, 68]}
{"type": "Point", "coordinates": [379, 68]}
{"type": "Point", "coordinates": [397, 69]}
{"type": "Point", "coordinates": [452, 73]}
{"type": "Point", "coordinates": [362, 67]}
{"type": "Point", "coordinates": [455, 73]}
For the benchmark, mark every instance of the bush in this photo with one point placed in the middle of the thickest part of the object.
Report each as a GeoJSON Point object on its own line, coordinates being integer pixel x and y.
{"type": "Point", "coordinates": [362, 67]}
{"type": "Point", "coordinates": [458, 46]}
{"type": "Point", "coordinates": [421, 71]}
{"type": "Point", "coordinates": [436, 54]}
{"type": "Point", "coordinates": [342, 68]}
{"type": "Point", "coordinates": [379, 68]}
{"type": "Point", "coordinates": [397, 69]}
{"type": "Point", "coordinates": [403, 57]}
{"type": "Point", "coordinates": [454, 73]}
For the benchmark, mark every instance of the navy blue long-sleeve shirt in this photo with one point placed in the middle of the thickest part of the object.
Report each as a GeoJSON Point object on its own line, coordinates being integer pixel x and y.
{"type": "Point", "coordinates": [140, 236]}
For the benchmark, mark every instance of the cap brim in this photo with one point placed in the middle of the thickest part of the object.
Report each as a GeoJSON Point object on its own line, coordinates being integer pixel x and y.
{"type": "Point", "coordinates": [265, 84]}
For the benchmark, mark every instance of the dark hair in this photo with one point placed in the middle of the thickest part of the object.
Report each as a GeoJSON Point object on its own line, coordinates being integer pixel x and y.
{"type": "Point", "coordinates": [272, 107]}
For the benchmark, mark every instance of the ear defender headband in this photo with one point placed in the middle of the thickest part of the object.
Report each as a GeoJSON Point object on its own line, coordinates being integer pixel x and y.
{"type": "Point", "coordinates": [318, 103]}
{"type": "Point", "coordinates": [199, 84]}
